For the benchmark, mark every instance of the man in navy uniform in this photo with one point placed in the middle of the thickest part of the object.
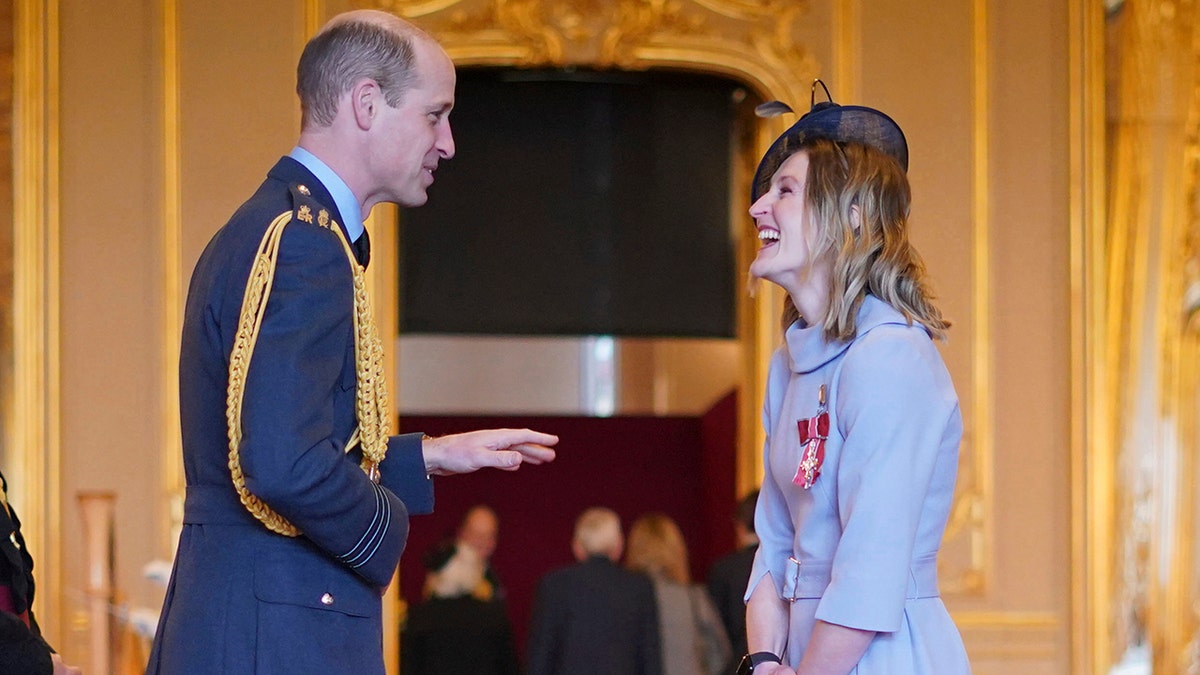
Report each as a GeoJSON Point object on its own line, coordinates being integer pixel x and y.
{"type": "Point", "coordinates": [297, 497]}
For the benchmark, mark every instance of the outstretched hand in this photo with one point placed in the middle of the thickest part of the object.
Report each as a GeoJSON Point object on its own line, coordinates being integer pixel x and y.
{"type": "Point", "coordinates": [505, 449]}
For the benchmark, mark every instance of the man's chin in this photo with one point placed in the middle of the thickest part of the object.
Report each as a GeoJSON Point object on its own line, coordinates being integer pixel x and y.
{"type": "Point", "coordinates": [414, 200]}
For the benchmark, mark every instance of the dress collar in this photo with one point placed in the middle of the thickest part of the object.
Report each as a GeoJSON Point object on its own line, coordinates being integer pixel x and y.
{"type": "Point", "coordinates": [807, 348]}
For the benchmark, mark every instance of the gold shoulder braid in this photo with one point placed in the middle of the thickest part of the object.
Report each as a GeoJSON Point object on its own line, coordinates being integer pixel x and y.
{"type": "Point", "coordinates": [372, 408]}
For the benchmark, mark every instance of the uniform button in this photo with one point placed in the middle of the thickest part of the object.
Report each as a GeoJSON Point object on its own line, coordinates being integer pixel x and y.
{"type": "Point", "coordinates": [302, 189]}
{"type": "Point", "coordinates": [327, 599]}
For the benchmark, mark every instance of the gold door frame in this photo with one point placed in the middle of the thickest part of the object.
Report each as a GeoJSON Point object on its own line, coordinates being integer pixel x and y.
{"type": "Point", "coordinates": [750, 41]}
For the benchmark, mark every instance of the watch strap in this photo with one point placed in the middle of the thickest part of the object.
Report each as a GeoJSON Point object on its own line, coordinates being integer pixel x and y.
{"type": "Point", "coordinates": [751, 661]}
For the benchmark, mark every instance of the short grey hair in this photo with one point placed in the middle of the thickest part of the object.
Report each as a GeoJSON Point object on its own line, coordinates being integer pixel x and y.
{"type": "Point", "coordinates": [337, 57]}
{"type": "Point", "coordinates": [598, 531]}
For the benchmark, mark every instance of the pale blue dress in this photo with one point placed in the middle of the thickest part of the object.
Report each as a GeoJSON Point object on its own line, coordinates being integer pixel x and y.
{"type": "Point", "coordinates": [859, 548]}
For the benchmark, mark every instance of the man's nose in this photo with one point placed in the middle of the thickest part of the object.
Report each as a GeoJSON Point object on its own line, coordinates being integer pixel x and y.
{"type": "Point", "coordinates": [445, 141]}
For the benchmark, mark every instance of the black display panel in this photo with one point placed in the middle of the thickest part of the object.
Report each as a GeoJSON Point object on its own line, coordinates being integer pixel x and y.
{"type": "Point", "coordinates": [578, 203]}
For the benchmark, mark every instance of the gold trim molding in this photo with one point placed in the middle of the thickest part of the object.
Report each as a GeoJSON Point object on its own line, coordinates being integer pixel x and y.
{"type": "Point", "coordinates": [34, 429]}
{"type": "Point", "coordinates": [1091, 445]}
{"type": "Point", "coordinates": [172, 252]}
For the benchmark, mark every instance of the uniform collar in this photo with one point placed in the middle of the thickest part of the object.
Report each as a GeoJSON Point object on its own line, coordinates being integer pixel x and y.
{"type": "Point", "coordinates": [343, 197]}
{"type": "Point", "coordinates": [808, 349]}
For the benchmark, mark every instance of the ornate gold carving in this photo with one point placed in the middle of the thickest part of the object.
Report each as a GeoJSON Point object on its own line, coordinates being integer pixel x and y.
{"type": "Point", "coordinates": [751, 40]}
{"type": "Point", "coordinates": [1152, 359]}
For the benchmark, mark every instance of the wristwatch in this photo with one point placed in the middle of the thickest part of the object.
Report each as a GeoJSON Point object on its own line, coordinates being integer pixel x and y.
{"type": "Point", "coordinates": [751, 661]}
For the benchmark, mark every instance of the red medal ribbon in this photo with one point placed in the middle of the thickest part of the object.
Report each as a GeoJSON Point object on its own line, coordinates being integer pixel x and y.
{"type": "Point", "coordinates": [813, 431]}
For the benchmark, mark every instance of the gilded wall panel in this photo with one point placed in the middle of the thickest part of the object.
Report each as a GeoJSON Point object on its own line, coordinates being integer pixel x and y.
{"type": "Point", "coordinates": [1149, 337]}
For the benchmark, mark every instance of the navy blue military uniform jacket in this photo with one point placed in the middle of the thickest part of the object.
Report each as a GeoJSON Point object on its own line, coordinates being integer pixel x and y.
{"type": "Point", "coordinates": [243, 599]}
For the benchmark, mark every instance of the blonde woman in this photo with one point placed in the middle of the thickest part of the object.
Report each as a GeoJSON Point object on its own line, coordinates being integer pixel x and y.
{"type": "Point", "coordinates": [693, 638]}
{"type": "Point", "coordinates": [862, 420]}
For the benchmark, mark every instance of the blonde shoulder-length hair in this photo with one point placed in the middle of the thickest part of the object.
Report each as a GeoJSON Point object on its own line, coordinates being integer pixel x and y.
{"type": "Point", "coordinates": [859, 199]}
{"type": "Point", "coordinates": [656, 547]}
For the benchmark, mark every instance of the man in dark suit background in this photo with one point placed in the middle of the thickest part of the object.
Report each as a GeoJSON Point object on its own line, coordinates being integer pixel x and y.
{"type": "Point", "coordinates": [728, 576]}
{"type": "Point", "coordinates": [295, 518]}
{"type": "Point", "coordinates": [595, 617]}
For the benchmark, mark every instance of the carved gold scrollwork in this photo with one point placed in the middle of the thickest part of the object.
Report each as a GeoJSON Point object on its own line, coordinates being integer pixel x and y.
{"type": "Point", "coordinates": [749, 40]}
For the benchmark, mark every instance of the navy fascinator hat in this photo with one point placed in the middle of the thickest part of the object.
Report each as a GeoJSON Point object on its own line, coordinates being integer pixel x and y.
{"type": "Point", "coordinates": [838, 123]}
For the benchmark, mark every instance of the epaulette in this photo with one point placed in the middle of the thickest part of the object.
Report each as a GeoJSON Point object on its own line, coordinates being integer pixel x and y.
{"type": "Point", "coordinates": [306, 209]}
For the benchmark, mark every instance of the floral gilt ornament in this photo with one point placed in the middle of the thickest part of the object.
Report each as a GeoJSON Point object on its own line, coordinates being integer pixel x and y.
{"type": "Point", "coordinates": [814, 431]}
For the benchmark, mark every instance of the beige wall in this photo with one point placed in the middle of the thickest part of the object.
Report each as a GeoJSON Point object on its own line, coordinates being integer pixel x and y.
{"type": "Point", "coordinates": [989, 170]}
{"type": "Point", "coordinates": [981, 91]}
{"type": "Point", "coordinates": [112, 303]}
{"type": "Point", "coordinates": [236, 115]}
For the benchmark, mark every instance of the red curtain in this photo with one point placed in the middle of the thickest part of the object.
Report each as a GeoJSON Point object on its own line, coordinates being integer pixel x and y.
{"type": "Point", "coordinates": [681, 466]}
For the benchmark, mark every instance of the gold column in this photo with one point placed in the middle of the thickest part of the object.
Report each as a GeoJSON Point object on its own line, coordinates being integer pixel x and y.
{"type": "Point", "coordinates": [1150, 387]}
{"type": "Point", "coordinates": [383, 285]}
{"type": "Point", "coordinates": [172, 262]}
{"type": "Point", "coordinates": [34, 422]}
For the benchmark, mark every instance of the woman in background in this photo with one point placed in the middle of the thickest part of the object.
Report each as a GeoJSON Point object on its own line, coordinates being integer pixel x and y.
{"type": "Point", "coordinates": [692, 637]}
{"type": "Point", "coordinates": [453, 631]}
{"type": "Point", "coordinates": [862, 420]}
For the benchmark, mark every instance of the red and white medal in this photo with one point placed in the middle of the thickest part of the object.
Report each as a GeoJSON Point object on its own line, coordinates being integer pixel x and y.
{"type": "Point", "coordinates": [814, 431]}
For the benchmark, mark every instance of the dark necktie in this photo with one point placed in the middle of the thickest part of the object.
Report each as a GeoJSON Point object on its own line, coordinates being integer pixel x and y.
{"type": "Point", "coordinates": [362, 249]}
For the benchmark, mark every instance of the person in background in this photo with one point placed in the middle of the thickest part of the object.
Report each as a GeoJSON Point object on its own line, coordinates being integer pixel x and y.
{"type": "Point", "coordinates": [298, 495]}
{"type": "Point", "coordinates": [728, 576]}
{"type": "Point", "coordinates": [594, 618]}
{"type": "Point", "coordinates": [861, 418]}
{"type": "Point", "coordinates": [453, 632]}
{"type": "Point", "coordinates": [22, 648]}
{"type": "Point", "coordinates": [480, 529]}
{"type": "Point", "coordinates": [693, 639]}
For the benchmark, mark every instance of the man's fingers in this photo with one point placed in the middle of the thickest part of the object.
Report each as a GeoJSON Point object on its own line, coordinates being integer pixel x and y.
{"type": "Point", "coordinates": [508, 460]}
{"type": "Point", "coordinates": [535, 454]}
{"type": "Point", "coordinates": [509, 437]}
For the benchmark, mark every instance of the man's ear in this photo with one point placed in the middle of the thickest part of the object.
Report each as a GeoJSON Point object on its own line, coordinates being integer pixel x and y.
{"type": "Point", "coordinates": [365, 99]}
